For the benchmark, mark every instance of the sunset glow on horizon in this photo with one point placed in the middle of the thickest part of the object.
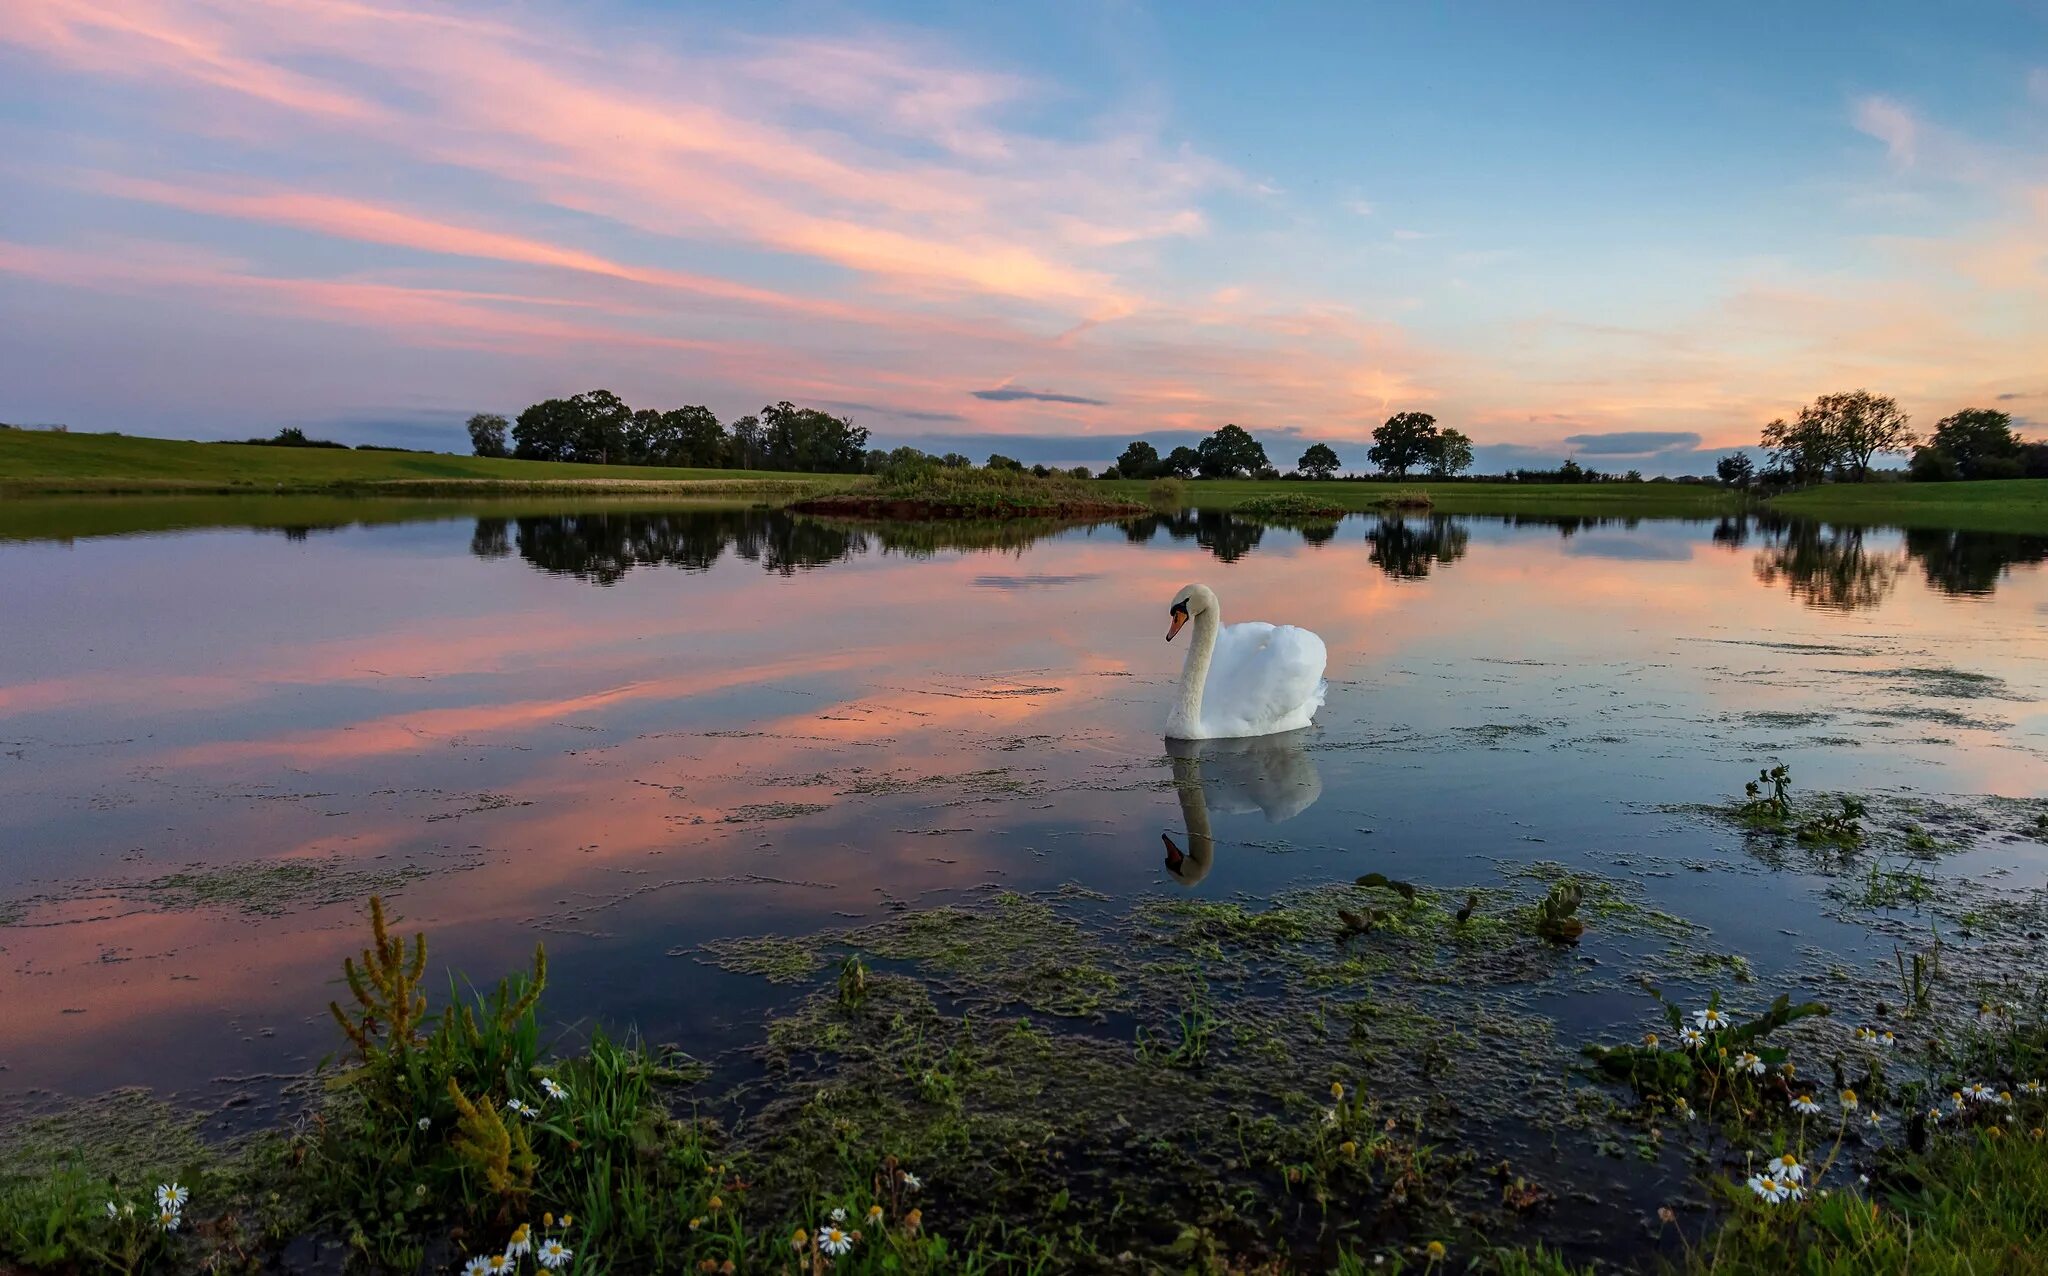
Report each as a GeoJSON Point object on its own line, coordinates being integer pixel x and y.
{"type": "Point", "coordinates": [1634, 236]}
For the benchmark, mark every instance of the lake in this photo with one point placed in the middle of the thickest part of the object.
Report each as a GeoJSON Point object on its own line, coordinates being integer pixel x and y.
{"type": "Point", "coordinates": [641, 735]}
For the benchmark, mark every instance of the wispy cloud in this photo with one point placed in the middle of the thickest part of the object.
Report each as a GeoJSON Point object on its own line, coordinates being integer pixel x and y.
{"type": "Point", "coordinates": [1015, 393]}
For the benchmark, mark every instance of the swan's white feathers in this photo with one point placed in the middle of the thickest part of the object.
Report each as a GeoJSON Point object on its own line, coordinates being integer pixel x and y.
{"type": "Point", "coordinates": [1263, 678]}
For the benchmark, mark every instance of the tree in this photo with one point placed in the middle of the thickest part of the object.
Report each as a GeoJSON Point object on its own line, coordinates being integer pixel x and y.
{"type": "Point", "coordinates": [487, 434]}
{"type": "Point", "coordinates": [1319, 462]}
{"type": "Point", "coordinates": [997, 461]}
{"type": "Point", "coordinates": [1862, 425]}
{"type": "Point", "coordinates": [679, 436]}
{"type": "Point", "coordinates": [794, 438]}
{"type": "Point", "coordinates": [956, 461]}
{"type": "Point", "coordinates": [1229, 453]}
{"type": "Point", "coordinates": [745, 447]}
{"type": "Point", "coordinates": [1079, 472]}
{"type": "Point", "coordinates": [1980, 441]}
{"type": "Point", "coordinates": [1804, 449]}
{"type": "Point", "coordinates": [1182, 462]}
{"type": "Point", "coordinates": [544, 431]}
{"type": "Point", "coordinates": [1449, 453]}
{"type": "Point", "coordinates": [1403, 443]}
{"type": "Point", "coordinates": [1735, 469]}
{"type": "Point", "coordinates": [1139, 460]}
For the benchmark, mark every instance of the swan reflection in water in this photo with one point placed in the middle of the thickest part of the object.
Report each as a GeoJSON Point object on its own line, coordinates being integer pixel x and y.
{"type": "Point", "coordinates": [1270, 774]}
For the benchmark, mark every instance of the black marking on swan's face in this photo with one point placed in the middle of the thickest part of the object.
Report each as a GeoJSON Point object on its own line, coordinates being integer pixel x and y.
{"type": "Point", "coordinates": [1179, 613]}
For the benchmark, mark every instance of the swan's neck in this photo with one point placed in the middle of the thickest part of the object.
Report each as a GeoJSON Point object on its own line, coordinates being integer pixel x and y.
{"type": "Point", "coordinates": [1194, 674]}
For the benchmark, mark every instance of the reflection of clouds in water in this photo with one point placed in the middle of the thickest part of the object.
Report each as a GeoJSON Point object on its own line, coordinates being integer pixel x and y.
{"type": "Point", "coordinates": [1273, 775]}
{"type": "Point", "coordinates": [1630, 549]}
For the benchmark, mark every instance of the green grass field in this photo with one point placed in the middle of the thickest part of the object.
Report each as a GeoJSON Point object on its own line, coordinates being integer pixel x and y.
{"type": "Point", "coordinates": [1639, 500]}
{"type": "Point", "coordinates": [1994, 505]}
{"type": "Point", "coordinates": [39, 461]}
{"type": "Point", "coordinates": [36, 462]}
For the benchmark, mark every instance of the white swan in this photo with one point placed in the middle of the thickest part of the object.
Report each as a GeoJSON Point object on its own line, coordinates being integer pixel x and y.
{"type": "Point", "coordinates": [1246, 679]}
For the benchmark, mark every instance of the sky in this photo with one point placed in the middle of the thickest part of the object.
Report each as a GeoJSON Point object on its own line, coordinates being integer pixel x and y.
{"type": "Point", "coordinates": [1633, 234]}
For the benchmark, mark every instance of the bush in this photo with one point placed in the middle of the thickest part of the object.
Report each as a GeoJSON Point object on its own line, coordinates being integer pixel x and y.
{"type": "Point", "coordinates": [1932, 465]}
{"type": "Point", "coordinates": [1167, 491]}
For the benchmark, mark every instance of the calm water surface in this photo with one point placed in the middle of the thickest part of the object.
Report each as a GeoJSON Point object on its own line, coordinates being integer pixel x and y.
{"type": "Point", "coordinates": [630, 733]}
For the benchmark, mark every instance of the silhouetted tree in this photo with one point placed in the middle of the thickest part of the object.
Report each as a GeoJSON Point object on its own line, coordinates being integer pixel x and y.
{"type": "Point", "coordinates": [1230, 452]}
{"type": "Point", "coordinates": [1403, 443]}
{"type": "Point", "coordinates": [1735, 469]}
{"type": "Point", "coordinates": [1319, 462]}
{"type": "Point", "coordinates": [1449, 453]}
{"type": "Point", "coordinates": [997, 461]}
{"type": "Point", "coordinates": [1140, 460]}
{"type": "Point", "coordinates": [487, 434]}
{"type": "Point", "coordinates": [1182, 462]}
{"type": "Point", "coordinates": [1979, 441]}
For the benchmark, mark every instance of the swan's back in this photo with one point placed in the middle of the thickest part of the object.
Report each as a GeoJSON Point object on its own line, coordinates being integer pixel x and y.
{"type": "Point", "coordinates": [1263, 678]}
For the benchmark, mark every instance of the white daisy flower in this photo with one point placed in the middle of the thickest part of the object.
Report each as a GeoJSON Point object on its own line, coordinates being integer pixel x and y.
{"type": "Point", "coordinates": [1749, 1062]}
{"type": "Point", "coordinates": [1849, 1100]}
{"type": "Point", "coordinates": [521, 1242]}
{"type": "Point", "coordinates": [170, 1196]}
{"type": "Point", "coordinates": [424, 1123]}
{"type": "Point", "coordinates": [1805, 1106]}
{"type": "Point", "coordinates": [1691, 1038]}
{"type": "Point", "coordinates": [837, 1216]}
{"type": "Point", "coordinates": [478, 1266]}
{"type": "Point", "coordinates": [1709, 1020]}
{"type": "Point", "coordinates": [1767, 1188]}
{"type": "Point", "coordinates": [501, 1265]}
{"type": "Point", "coordinates": [1886, 1038]}
{"type": "Point", "coordinates": [912, 1182]}
{"type": "Point", "coordinates": [2003, 1099]}
{"type": "Point", "coordinates": [834, 1241]}
{"type": "Point", "coordinates": [553, 1255]}
{"type": "Point", "coordinates": [523, 1108]}
{"type": "Point", "coordinates": [554, 1088]}
{"type": "Point", "coordinates": [167, 1220]}
{"type": "Point", "coordinates": [1329, 1116]}
{"type": "Point", "coordinates": [1788, 1168]}
{"type": "Point", "coordinates": [1978, 1093]}
{"type": "Point", "coordinates": [1874, 1119]}
{"type": "Point", "coordinates": [2030, 1087]}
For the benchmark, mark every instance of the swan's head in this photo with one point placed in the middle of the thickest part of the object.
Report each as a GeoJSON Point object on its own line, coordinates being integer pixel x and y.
{"type": "Point", "coordinates": [1188, 603]}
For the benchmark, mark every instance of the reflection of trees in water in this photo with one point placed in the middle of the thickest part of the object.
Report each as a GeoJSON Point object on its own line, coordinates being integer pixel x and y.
{"type": "Point", "coordinates": [603, 547]}
{"type": "Point", "coordinates": [1824, 565]}
{"type": "Point", "coordinates": [1229, 539]}
{"type": "Point", "coordinates": [1407, 548]}
{"type": "Point", "coordinates": [1971, 562]}
{"type": "Point", "coordinates": [491, 539]}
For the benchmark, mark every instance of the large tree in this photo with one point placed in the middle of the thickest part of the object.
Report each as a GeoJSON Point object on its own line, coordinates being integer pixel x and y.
{"type": "Point", "coordinates": [1139, 461]}
{"type": "Point", "coordinates": [1980, 442]}
{"type": "Point", "coordinates": [1183, 462]}
{"type": "Point", "coordinates": [1231, 452]}
{"type": "Point", "coordinates": [1403, 443]}
{"type": "Point", "coordinates": [487, 434]}
{"type": "Point", "coordinates": [795, 438]}
{"type": "Point", "coordinates": [1449, 453]}
{"type": "Point", "coordinates": [1858, 425]}
{"type": "Point", "coordinates": [1319, 462]}
{"type": "Point", "coordinates": [1805, 449]}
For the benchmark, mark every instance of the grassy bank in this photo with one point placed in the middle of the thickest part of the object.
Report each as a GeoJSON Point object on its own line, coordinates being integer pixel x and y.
{"type": "Point", "coordinates": [939, 493]}
{"type": "Point", "coordinates": [1622, 500]}
{"type": "Point", "coordinates": [34, 462]}
{"type": "Point", "coordinates": [1995, 505]}
{"type": "Point", "coordinates": [64, 518]}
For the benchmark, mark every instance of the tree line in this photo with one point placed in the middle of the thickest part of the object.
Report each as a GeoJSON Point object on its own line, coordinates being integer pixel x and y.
{"type": "Point", "coordinates": [1408, 441]}
{"type": "Point", "coordinates": [598, 427]}
{"type": "Point", "coordinates": [1838, 436]}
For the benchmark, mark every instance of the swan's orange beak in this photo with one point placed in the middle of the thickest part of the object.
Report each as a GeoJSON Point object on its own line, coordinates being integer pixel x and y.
{"type": "Point", "coordinates": [1179, 618]}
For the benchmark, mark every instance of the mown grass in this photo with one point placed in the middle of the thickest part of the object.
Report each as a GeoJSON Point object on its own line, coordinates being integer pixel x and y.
{"type": "Point", "coordinates": [45, 461]}
{"type": "Point", "coordinates": [82, 517]}
{"type": "Point", "coordinates": [1644, 500]}
{"type": "Point", "coordinates": [1994, 505]}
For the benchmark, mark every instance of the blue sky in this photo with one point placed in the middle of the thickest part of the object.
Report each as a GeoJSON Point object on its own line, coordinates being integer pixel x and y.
{"type": "Point", "coordinates": [1559, 228]}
